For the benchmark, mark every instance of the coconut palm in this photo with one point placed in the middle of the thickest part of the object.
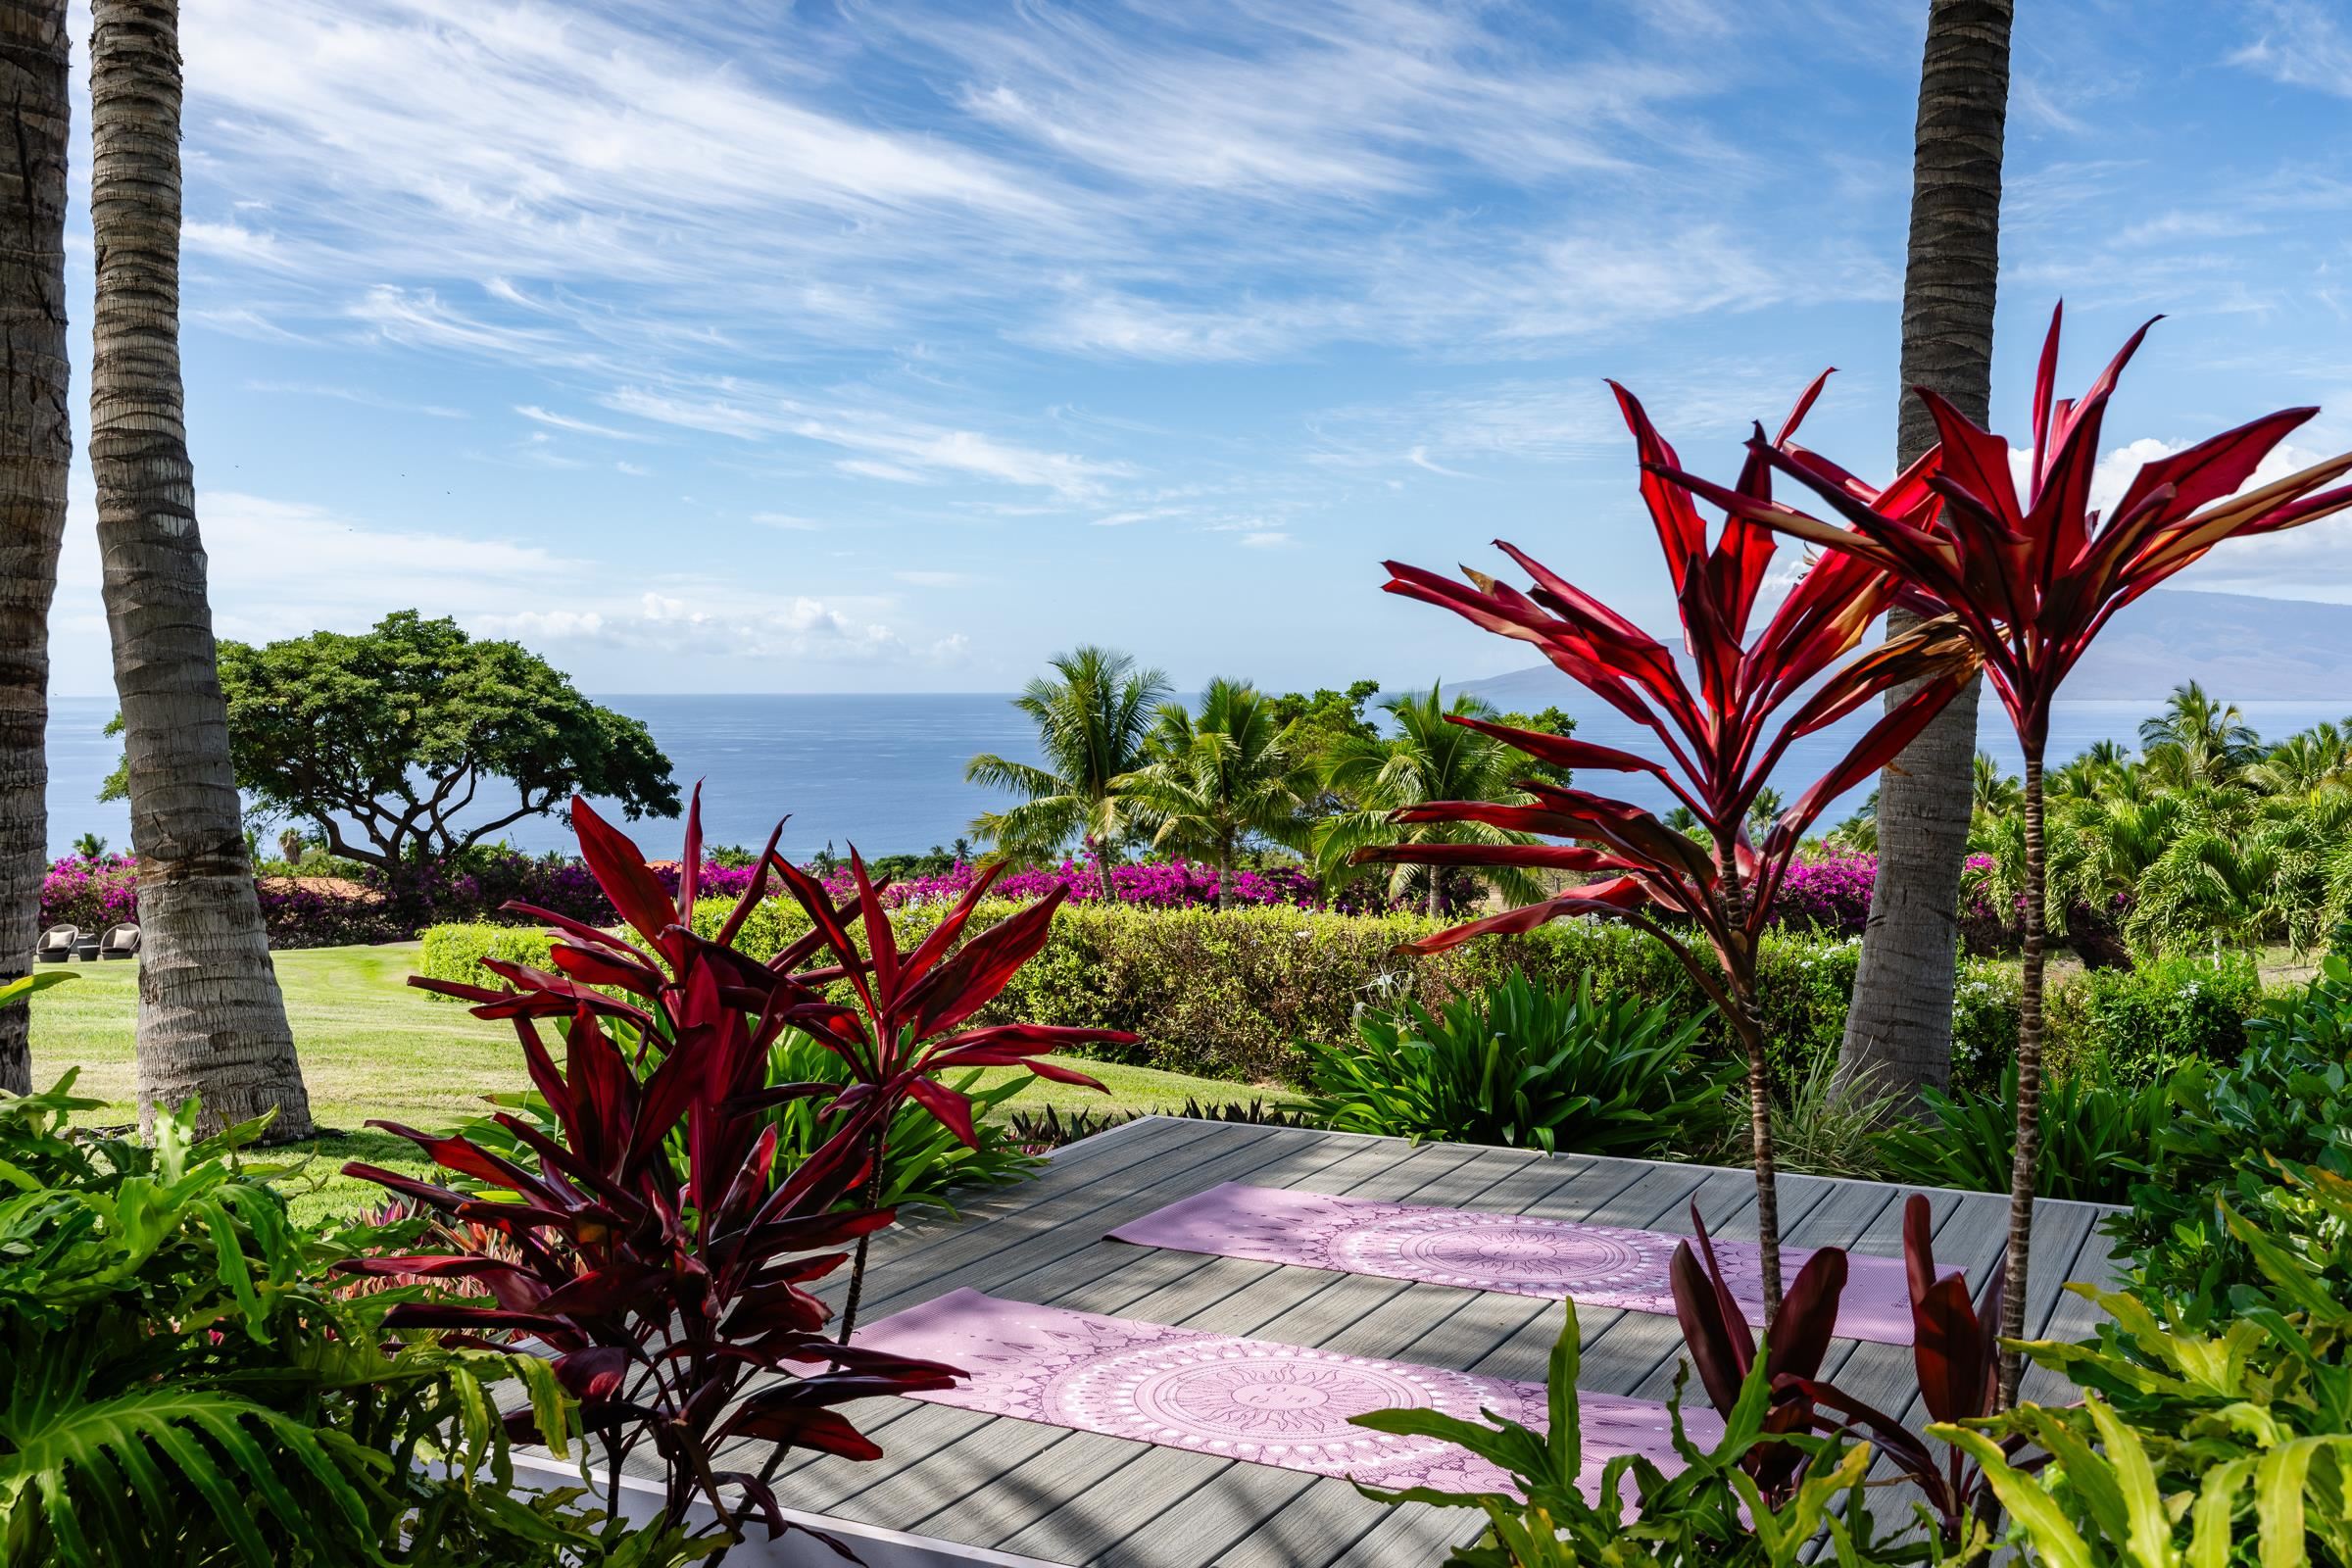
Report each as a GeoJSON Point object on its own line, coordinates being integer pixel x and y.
{"type": "Point", "coordinates": [1425, 759]}
{"type": "Point", "coordinates": [212, 1024]}
{"type": "Point", "coordinates": [2197, 740]}
{"type": "Point", "coordinates": [1220, 779]}
{"type": "Point", "coordinates": [1093, 717]}
{"type": "Point", "coordinates": [37, 451]}
{"type": "Point", "coordinates": [1898, 1030]}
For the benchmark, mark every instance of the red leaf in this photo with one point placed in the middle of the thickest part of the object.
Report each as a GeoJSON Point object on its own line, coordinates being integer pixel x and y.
{"type": "Point", "coordinates": [621, 873]}
{"type": "Point", "coordinates": [953, 1109]}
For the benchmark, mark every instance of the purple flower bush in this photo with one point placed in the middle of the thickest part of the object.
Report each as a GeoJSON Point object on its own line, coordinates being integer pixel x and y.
{"type": "Point", "coordinates": [1152, 885]}
{"type": "Point", "coordinates": [92, 894]}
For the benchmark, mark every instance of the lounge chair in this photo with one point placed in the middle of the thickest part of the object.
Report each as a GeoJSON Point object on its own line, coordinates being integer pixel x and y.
{"type": "Point", "coordinates": [56, 943]}
{"type": "Point", "coordinates": [119, 942]}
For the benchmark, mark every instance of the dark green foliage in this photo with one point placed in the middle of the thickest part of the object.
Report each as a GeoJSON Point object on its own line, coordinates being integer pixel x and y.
{"type": "Point", "coordinates": [341, 729]}
{"type": "Point", "coordinates": [1707, 1515]}
{"type": "Point", "coordinates": [1523, 1066]}
{"type": "Point", "coordinates": [2097, 1136]}
{"type": "Point", "coordinates": [1048, 1128]}
{"type": "Point", "coordinates": [2143, 1022]}
{"type": "Point", "coordinates": [2287, 1098]}
{"type": "Point", "coordinates": [180, 1381]}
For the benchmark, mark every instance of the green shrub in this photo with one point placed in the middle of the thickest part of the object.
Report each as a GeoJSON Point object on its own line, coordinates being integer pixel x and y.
{"type": "Point", "coordinates": [2098, 1136]}
{"type": "Point", "coordinates": [2289, 1098]}
{"type": "Point", "coordinates": [1523, 1066]}
{"type": "Point", "coordinates": [2143, 1022]}
{"type": "Point", "coordinates": [1240, 994]}
{"type": "Point", "coordinates": [455, 952]}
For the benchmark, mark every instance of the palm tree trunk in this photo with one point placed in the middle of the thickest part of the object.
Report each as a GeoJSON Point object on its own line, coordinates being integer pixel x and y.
{"type": "Point", "coordinates": [211, 1024]}
{"type": "Point", "coordinates": [1224, 877]}
{"type": "Point", "coordinates": [36, 454]}
{"type": "Point", "coordinates": [2023, 1172]}
{"type": "Point", "coordinates": [1898, 1030]}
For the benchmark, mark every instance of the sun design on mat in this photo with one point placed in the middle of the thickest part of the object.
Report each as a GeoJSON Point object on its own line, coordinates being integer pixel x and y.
{"type": "Point", "coordinates": [1503, 1250]}
{"type": "Point", "coordinates": [1282, 1400]}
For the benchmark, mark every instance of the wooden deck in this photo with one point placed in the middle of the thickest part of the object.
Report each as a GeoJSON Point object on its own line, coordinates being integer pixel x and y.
{"type": "Point", "coordinates": [1079, 1498]}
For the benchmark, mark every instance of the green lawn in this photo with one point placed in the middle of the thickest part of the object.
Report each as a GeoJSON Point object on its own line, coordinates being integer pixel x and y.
{"type": "Point", "coordinates": [373, 1047]}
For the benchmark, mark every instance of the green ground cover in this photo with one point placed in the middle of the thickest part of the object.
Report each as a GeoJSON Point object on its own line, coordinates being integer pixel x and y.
{"type": "Point", "coordinates": [373, 1047]}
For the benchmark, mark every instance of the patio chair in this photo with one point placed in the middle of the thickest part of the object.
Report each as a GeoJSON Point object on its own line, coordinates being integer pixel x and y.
{"type": "Point", "coordinates": [56, 943]}
{"type": "Point", "coordinates": [119, 942]}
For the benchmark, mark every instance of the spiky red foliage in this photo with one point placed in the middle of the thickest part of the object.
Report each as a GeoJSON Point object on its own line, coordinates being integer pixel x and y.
{"type": "Point", "coordinates": [1723, 1349]}
{"type": "Point", "coordinates": [1722, 741]}
{"type": "Point", "coordinates": [661, 1248]}
{"type": "Point", "coordinates": [2034, 578]}
{"type": "Point", "coordinates": [1955, 1354]}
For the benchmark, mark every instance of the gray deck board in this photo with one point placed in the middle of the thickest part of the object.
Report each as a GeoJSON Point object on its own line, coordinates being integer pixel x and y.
{"type": "Point", "coordinates": [1083, 1499]}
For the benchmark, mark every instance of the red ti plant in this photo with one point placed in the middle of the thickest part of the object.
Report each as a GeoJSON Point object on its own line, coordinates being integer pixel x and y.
{"type": "Point", "coordinates": [1954, 1355]}
{"type": "Point", "coordinates": [1724, 1350]}
{"type": "Point", "coordinates": [904, 1024]}
{"type": "Point", "coordinates": [662, 1248]}
{"type": "Point", "coordinates": [2033, 578]}
{"type": "Point", "coordinates": [1955, 1352]}
{"type": "Point", "coordinates": [1722, 742]}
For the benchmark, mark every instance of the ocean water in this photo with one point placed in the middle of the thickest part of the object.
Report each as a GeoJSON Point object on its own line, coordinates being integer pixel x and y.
{"type": "Point", "coordinates": [886, 772]}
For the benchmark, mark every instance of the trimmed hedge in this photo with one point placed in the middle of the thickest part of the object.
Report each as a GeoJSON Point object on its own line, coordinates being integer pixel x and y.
{"type": "Point", "coordinates": [1230, 995]}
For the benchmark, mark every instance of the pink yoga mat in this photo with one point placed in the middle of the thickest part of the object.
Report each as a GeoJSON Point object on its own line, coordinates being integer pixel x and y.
{"type": "Point", "coordinates": [1251, 1400]}
{"type": "Point", "coordinates": [1596, 1265]}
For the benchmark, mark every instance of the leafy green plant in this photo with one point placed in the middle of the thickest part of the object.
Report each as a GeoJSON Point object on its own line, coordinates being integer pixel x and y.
{"type": "Point", "coordinates": [2287, 1101]}
{"type": "Point", "coordinates": [180, 1382]}
{"type": "Point", "coordinates": [1525, 1067]}
{"type": "Point", "coordinates": [1818, 1128]}
{"type": "Point", "coordinates": [2194, 1447]}
{"type": "Point", "coordinates": [1709, 1512]}
{"type": "Point", "coordinates": [2098, 1136]}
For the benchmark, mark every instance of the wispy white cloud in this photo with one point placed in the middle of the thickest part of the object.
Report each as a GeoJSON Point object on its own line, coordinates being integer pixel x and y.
{"type": "Point", "coordinates": [566, 421]}
{"type": "Point", "coordinates": [2303, 43]}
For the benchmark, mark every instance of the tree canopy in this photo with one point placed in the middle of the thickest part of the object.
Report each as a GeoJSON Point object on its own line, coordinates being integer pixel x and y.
{"type": "Point", "coordinates": [386, 739]}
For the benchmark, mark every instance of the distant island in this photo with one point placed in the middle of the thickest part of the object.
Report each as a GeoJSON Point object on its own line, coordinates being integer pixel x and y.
{"type": "Point", "coordinates": [2244, 647]}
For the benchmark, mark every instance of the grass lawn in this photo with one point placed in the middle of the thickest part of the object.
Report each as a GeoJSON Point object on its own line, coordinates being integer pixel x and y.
{"type": "Point", "coordinates": [373, 1047]}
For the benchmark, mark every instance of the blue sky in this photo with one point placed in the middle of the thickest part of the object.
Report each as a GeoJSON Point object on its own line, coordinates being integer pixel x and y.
{"type": "Point", "coordinates": [893, 346]}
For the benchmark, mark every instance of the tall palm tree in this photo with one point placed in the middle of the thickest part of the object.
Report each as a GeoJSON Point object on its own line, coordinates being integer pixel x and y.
{"type": "Point", "coordinates": [36, 453]}
{"type": "Point", "coordinates": [1425, 759]}
{"type": "Point", "coordinates": [1093, 717]}
{"type": "Point", "coordinates": [211, 1024]}
{"type": "Point", "coordinates": [2198, 740]}
{"type": "Point", "coordinates": [1219, 779]}
{"type": "Point", "coordinates": [1898, 1030]}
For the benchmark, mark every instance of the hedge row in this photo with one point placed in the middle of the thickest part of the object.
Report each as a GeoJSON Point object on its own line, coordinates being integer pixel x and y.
{"type": "Point", "coordinates": [1230, 995]}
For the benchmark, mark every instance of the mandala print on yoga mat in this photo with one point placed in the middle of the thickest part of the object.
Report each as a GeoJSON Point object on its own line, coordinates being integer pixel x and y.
{"type": "Point", "coordinates": [1257, 1400]}
{"type": "Point", "coordinates": [1521, 1254]}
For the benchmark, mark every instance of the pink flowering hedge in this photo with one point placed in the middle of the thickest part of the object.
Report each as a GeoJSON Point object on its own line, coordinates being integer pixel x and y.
{"type": "Point", "coordinates": [1150, 885]}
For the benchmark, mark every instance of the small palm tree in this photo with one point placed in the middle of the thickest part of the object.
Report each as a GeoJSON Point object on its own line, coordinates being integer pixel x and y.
{"type": "Point", "coordinates": [89, 846]}
{"type": "Point", "coordinates": [1425, 759]}
{"type": "Point", "coordinates": [1217, 781]}
{"type": "Point", "coordinates": [2197, 740]}
{"type": "Point", "coordinates": [1093, 716]}
{"type": "Point", "coordinates": [1994, 793]}
{"type": "Point", "coordinates": [2305, 763]}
